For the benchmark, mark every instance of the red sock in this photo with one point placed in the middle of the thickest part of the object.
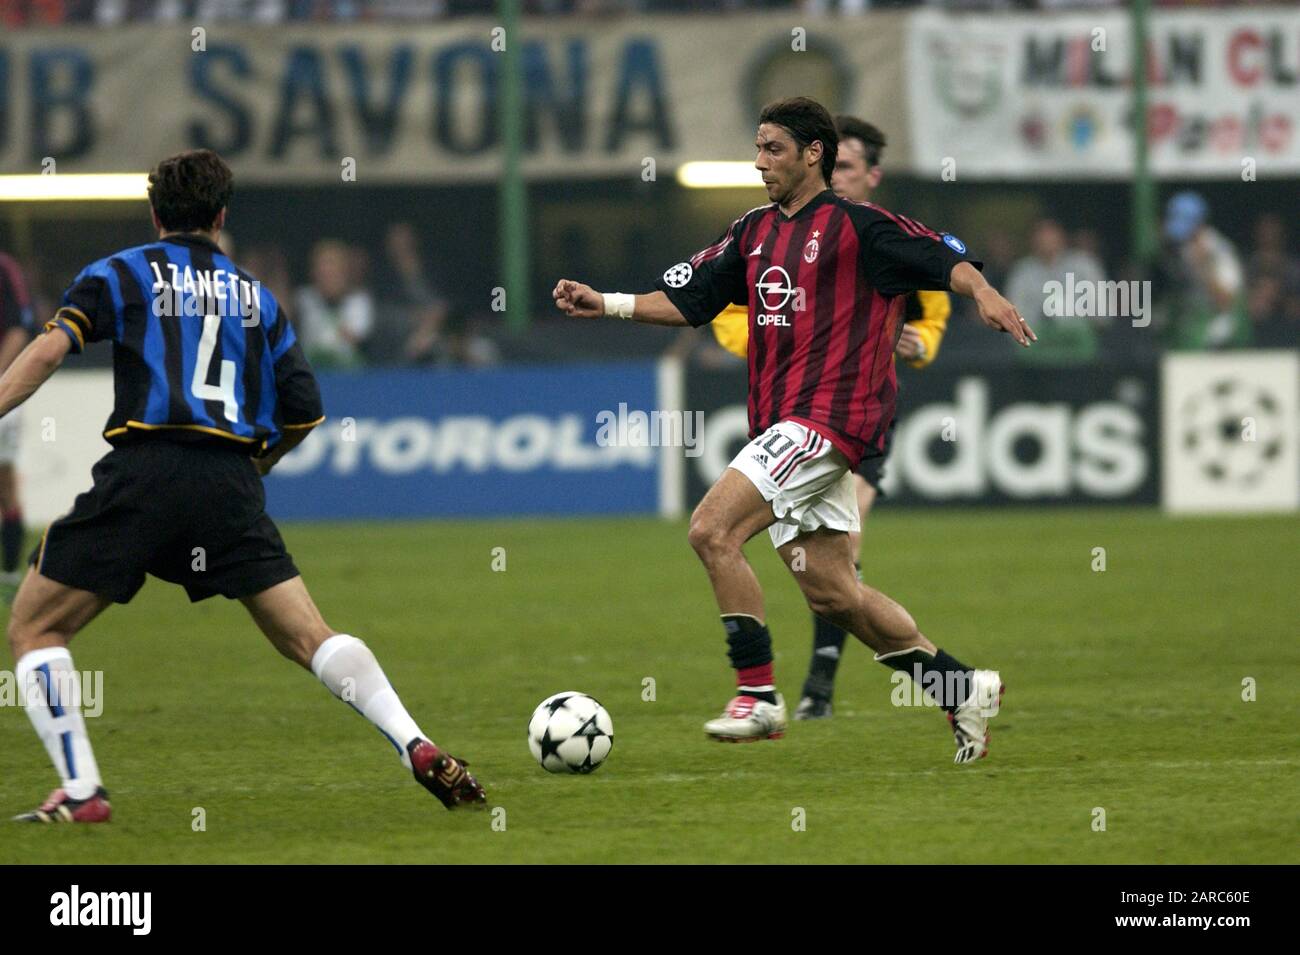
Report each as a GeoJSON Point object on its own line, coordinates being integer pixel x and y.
{"type": "Point", "coordinates": [759, 676]}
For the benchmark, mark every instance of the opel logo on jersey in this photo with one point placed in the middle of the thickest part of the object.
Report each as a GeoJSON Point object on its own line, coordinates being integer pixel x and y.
{"type": "Point", "coordinates": [954, 243]}
{"type": "Point", "coordinates": [774, 288]}
{"type": "Point", "coordinates": [810, 251]}
{"type": "Point", "coordinates": [679, 275]}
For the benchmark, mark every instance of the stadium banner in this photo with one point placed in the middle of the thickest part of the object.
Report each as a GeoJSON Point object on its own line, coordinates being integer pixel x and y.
{"type": "Point", "coordinates": [1019, 436]}
{"type": "Point", "coordinates": [376, 103]}
{"type": "Point", "coordinates": [1231, 432]}
{"type": "Point", "coordinates": [1049, 95]}
{"type": "Point", "coordinates": [483, 443]}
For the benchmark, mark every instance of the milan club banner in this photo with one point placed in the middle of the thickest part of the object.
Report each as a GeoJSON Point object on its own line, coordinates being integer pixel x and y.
{"type": "Point", "coordinates": [377, 104]}
{"type": "Point", "coordinates": [1023, 436]}
{"type": "Point", "coordinates": [1050, 95]}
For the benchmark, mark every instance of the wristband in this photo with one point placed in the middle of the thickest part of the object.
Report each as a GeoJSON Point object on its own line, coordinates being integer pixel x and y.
{"type": "Point", "coordinates": [619, 304]}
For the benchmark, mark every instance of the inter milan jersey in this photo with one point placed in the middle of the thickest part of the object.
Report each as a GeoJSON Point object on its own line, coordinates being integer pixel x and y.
{"type": "Point", "coordinates": [201, 351]}
{"type": "Point", "coordinates": [825, 289]}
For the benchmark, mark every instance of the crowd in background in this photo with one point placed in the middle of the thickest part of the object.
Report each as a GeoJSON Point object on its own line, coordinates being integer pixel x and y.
{"type": "Point", "coordinates": [1205, 295]}
{"type": "Point", "coordinates": [387, 304]}
{"type": "Point", "coordinates": [351, 311]}
{"type": "Point", "coordinates": [15, 13]}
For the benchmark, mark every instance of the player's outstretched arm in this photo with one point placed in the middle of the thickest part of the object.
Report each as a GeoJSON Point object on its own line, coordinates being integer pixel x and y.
{"type": "Point", "coordinates": [31, 368]}
{"type": "Point", "coordinates": [582, 301]}
{"type": "Point", "coordinates": [995, 311]}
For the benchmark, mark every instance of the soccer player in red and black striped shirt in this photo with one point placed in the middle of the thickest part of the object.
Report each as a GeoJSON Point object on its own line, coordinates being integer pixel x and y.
{"type": "Point", "coordinates": [824, 279]}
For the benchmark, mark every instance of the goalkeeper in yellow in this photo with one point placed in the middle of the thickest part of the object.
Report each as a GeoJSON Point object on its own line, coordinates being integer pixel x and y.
{"type": "Point", "coordinates": [857, 173]}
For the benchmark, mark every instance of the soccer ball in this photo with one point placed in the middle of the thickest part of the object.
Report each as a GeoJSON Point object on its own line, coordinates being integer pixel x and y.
{"type": "Point", "coordinates": [570, 733]}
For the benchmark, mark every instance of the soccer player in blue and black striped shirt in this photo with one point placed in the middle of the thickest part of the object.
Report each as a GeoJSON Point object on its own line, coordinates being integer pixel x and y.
{"type": "Point", "coordinates": [211, 390]}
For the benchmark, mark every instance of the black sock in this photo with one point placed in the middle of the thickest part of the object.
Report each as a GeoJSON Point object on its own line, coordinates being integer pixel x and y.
{"type": "Point", "coordinates": [11, 539]}
{"type": "Point", "coordinates": [945, 679]}
{"type": "Point", "coordinates": [828, 644]}
{"type": "Point", "coordinates": [749, 647]}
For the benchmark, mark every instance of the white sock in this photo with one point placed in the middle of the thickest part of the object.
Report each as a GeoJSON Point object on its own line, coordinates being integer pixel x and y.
{"type": "Point", "coordinates": [346, 665]}
{"type": "Point", "coordinates": [51, 691]}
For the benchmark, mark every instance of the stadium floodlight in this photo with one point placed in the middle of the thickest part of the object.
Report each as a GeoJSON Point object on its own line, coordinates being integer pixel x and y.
{"type": "Point", "coordinates": [718, 175]}
{"type": "Point", "coordinates": [69, 186]}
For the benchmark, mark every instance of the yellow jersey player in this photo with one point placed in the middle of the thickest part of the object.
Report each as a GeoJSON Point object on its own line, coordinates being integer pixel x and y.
{"type": "Point", "coordinates": [925, 313]}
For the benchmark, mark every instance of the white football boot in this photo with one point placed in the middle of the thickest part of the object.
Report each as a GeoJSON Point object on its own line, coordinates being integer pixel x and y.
{"type": "Point", "coordinates": [970, 720]}
{"type": "Point", "coordinates": [748, 719]}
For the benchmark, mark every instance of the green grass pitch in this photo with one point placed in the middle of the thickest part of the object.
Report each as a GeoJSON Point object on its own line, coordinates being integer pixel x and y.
{"type": "Point", "coordinates": [1124, 692]}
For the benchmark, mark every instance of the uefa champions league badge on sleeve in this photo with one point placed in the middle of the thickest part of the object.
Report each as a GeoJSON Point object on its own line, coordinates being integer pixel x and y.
{"type": "Point", "coordinates": [679, 275]}
{"type": "Point", "coordinates": [954, 243]}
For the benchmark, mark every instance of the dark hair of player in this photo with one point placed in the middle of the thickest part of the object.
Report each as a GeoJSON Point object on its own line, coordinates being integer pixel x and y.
{"type": "Point", "coordinates": [807, 122]}
{"type": "Point", "coordinates": [873, 140]}
{"type": "Point", "coordinates": [188, 190]}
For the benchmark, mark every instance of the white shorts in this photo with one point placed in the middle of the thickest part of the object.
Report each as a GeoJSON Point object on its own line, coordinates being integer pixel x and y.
{"type": "Point", "coordinates": [805, 479]}
{"type": "Point", "coordinates": [10, 431]}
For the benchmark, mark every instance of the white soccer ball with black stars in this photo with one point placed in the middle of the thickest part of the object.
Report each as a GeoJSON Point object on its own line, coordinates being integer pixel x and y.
{"type": "Point", "coordinates": [570, 733]}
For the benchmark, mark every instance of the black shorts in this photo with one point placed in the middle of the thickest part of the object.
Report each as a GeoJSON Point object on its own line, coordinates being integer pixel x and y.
{"type": "Point", "coordinates": [873, 469]}
{"type": "Point", "coordinates": [191, 514]}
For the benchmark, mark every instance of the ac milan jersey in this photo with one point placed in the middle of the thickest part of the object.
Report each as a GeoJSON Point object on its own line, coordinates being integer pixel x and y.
{"type": "Point", "coordinates": [825, 289]}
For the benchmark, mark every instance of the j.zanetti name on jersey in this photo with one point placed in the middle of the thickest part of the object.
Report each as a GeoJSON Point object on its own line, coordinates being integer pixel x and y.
{"type": "Point", "coordinates": [133, 909]}
{"type": "Point", "coordinates": [187, 293]}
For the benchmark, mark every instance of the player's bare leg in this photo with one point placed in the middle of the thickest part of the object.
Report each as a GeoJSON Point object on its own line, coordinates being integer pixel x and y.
{"type": "Point", "coordinates": [46, 615]}
{"type": "Point", "coordinates": [731, 513]}
{"type": "Point", "coordinates": [828, 637]}
{"type": "Point", "coordinates": [289, 618]}
{"type": "Point", "coordinates": [291, 621]}
{"type": "Point", "coordinates": [820, 562]}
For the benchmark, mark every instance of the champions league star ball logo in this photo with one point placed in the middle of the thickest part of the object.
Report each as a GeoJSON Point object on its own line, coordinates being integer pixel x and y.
{"type": "Point", "coordinates": [679, 275]}
{"type": "Point", "coordinates": [1231, 432]}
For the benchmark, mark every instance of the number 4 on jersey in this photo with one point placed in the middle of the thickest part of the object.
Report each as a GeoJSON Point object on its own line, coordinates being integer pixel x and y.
{"type": "Point", "coordinates": [225, 391]}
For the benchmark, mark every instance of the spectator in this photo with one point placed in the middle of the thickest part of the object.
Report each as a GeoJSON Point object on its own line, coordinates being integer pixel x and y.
{"type": "Point", "coordinates": [1206, 307]}
{"type": "Point", "coordinates": [463, 344]}
{"type": "Point", "coordinates": [335, 315]}
{"type": "Point", "coordinates": [1086, 241]}
{"type": "Point", "coordinates": [269, 266]}
{"type": "Point", "coordinates": [1273, 278]}
{"type": "Point", "coordinates": [1063, 339]}
{"type": "Point", "coordinates": [998, 250]}
{"type": "Point", "coordinates": [411, 311]}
